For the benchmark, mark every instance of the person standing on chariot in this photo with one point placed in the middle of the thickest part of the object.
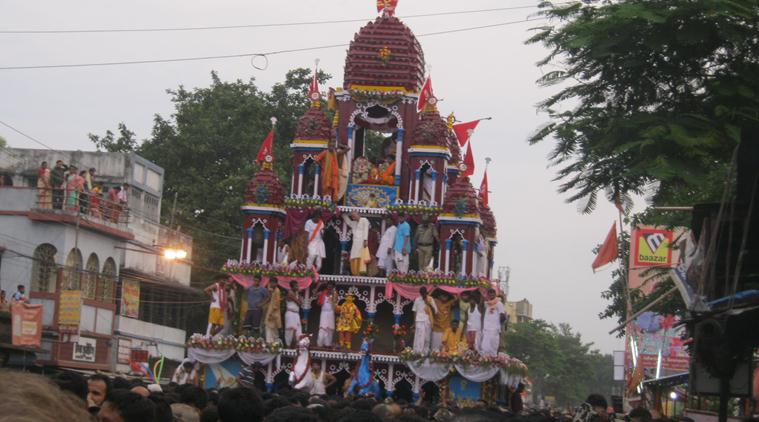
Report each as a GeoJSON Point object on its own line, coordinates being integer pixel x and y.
{"type": "Point", "coordinates": [425, 310]}
{"type": "Point", "coordinates": [327, 300]}
{"type": "Point", "coordinates": [492, 320]}
{"type": "Point", "coordinates": [218, 308]}
{"type": "Point", "coordinates": [360, 229]}
{"type": "Point", "coordinates": [273, 317]}
{"type": "Point", "coordinates": [385, 250]}
{"type": "Point", "coordinates": [316, 250]}
{"type": "Point", "coordinates": [293, 328]}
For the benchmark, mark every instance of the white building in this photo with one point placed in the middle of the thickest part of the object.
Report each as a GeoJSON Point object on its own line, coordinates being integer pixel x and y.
{"type": "Point", "coordinates": [130, 293]}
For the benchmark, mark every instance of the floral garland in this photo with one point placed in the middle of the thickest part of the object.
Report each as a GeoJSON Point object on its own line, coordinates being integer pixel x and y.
{"type": "Point", "coordinates": [437, 278]}
{"type": "Point", "coordinates": [415, 209]}
{"type": "Point", "coordinates": [309, 202]}
{"type": "Point", "coordinates": [511, 365]}
{"type": "Point", "coordinates": [241, 344]}
{"type": "Point", "coordinates": [267, 270]}
{"type": "Point", "coordinates": [400, 330]}
{"type": "Point", "coordinates": [371, 330]}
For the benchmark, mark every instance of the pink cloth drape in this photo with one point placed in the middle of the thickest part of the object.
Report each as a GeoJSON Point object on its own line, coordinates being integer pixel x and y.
{"type": "Point", "coordinates": [411, 291]}
{"type": "Point", "coordinates": [246, 280]}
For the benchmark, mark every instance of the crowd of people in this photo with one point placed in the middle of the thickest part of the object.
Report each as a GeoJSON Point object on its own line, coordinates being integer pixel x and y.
{"type": "Point", "coordinates": [65, 187]}
{"type": "Point", "coordinates": [69, 396]}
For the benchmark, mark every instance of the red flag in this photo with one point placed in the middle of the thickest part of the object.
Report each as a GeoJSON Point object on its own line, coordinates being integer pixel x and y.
{"type": "Point", "coordinates": [267, 148]}
{"type": "Point", "coordinates": [464, 131]}
{"type": "Point", "coordinates": [387, 5]}
{"type": "Point", "coordinates": [313, 90]}
{"type": "Point", "coordinates": [608, 251]}
{"type": "Point", "coordinates": [425, 95]}
{"type": "Point", "coordinates": [468, 161]}
{"type": "Point", "coordinates": [484, 189]}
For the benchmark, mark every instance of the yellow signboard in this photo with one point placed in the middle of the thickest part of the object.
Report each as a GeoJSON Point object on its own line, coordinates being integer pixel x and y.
{"type": "Point", "coordinates": [70, 309]}
{"type": "Point", "coordinates": [130, 298]}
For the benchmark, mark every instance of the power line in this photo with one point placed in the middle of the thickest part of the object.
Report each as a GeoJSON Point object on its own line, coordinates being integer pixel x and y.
{"type": "Point", "coordinates": [260, 25]}
{"type": "Point", "coordinates": [25, 135]}
{"type": "Point", "coordinates": [240, 55]}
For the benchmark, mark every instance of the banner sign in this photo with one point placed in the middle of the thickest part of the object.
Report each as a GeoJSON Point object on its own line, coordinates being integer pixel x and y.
{"type": "Point", "coordinates": [651, 247]}
{"type": "Point", "coordinates": [69, 310]}
{"type": "Point", "coordinates": [26, 327]}
{"type": "Point", "coordinates": [84, 349]}
{"type": "Point", "coordinates": [371, 196]}
{"type": "Point", "coordinates": [130, 298]}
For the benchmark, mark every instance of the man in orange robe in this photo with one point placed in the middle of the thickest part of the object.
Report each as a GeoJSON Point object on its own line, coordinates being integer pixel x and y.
{"type": "Point", "coordinates": [330, 172]}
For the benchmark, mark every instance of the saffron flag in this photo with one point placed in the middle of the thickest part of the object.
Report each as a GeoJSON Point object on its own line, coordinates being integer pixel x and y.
{"type": "Point", "coordinates": [425, 95]}
{"type": "Point", "coordinates": [267, 148]}
{"type": "Point", "coordinates": [468, 161]}
{"type": "Point", "coordinates": [464, 131]}
{"type": "Point", "coordinates": [484, 189]}
{"type": "Point", "coordinates": [608, 251]}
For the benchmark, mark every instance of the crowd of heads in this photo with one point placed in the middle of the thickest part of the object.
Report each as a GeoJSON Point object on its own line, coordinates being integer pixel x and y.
{"type": "Point", "coordinates": [70, 396]}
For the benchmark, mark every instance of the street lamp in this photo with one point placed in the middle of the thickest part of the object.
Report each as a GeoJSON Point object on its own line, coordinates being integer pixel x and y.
{"type": "Point", "coordinates": [172, 254]}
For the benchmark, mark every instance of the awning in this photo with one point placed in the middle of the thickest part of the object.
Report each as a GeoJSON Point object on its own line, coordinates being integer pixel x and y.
{"type": "Point", "coordinates": [668, 381]}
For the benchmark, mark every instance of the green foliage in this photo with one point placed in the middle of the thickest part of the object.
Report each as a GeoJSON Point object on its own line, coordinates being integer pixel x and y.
{"type": "Point", "coordinates": [560, 364]}
{"type": "Point", "coordinates": [658, 92]}
{"type": "Point", "coordinates": [125, 142]}
{"type": "Point", "coordinates": [651, 98]}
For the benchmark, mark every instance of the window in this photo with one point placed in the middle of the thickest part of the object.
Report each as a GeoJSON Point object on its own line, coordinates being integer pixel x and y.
{"type": "Point", "coordinates": [150, 207]}
{"type": "Point", "coordinates": [91, 277]}
{"type": "Point", "coordinates": [138, 173]}
{"type": "Point", "coordinates": [153, 181]}
{"type": "Point", "coordinates": [108, 280]}
{"type": "Point", "coordinates": [72, 270]}
{"type": "Point", "coordinates": [44, 271]}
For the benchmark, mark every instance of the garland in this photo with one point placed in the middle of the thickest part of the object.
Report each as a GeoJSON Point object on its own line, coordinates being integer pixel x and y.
{"type": "Point", "coordinates": [414, 209]}
{"type": "Point", "coordinates": [266, 270]}
{"type": "Point", "coordinates": [309, 202]}
{"type": "Point", "coordinates": [241, 344]}
{"type": "Point", "coordinates": [437, 278]}
{"type": "Point", "coordinates": [511, 365]}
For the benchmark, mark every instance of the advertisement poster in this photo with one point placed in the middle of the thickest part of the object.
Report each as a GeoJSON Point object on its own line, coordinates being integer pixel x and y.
{"type": "Point", "coordinates": [651, 247]}
{"type": "Point", "coordinates": [130, 299]}
{"type": "Point", "coordinates": [84, 349]}
{"type": "Point", "coordinates": [26, 328]}
{"type": "Point", "coordinates": [69, 310]}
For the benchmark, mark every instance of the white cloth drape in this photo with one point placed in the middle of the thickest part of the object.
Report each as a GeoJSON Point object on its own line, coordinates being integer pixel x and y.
{"type": "Point", "coordinates": [429, 371]}
{"type": "Point", "coordinates": [477, 373]}
{"type": "Point", "coordinates": [217, 356]}
{"type": "Point", "coordinates": [260, 358]}
{"type": "Point", "coordinates": [437, 371]}
{"type": "Point", "coordinates": [209, 356]}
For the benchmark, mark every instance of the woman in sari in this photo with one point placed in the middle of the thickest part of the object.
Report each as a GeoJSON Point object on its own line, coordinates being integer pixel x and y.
{"type": "Point", "coordinates": [44, 189]}
{"type": "Point", "coordinates": [74, 186]}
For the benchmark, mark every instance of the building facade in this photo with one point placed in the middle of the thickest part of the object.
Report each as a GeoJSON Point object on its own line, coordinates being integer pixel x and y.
{"type": "Point", "coordinates": [519, 311]}
{"type": "Point", "coordinates": [94, 261]}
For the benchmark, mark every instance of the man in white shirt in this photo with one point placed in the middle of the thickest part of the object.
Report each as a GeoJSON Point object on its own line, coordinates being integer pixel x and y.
{"type": "Point", "coordinates": [316, 250]}
{"type": "Point", "coordinates": [385, 250]}
{"type": "Point", "coordinates": [425, 309]}
{"type": "Point", "coordinates": [360, 229]}
{"type": "Point", "coordinates": [492, 321]}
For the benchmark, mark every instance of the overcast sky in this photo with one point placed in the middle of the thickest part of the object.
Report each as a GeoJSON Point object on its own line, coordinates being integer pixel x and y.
{"type": "Point", "coordinates": [488, 72]}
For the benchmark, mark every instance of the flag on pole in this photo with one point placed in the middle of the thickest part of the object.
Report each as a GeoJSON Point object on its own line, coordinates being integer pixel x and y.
{"type": "Point", "coordinates": [425, 96]}
{"type": "Point", "coordinates": [267, 148]}
{"type": "Point", "coordinates": [464, 131]}
{"type": "Point", "coordinates": [484, 189]}
{"type": "Point", "coordinates": [608, 251]}
{"type": "Point", "coordinates": [313, 90]}
{"type": "Point", "coordinates": [387, 5]}
{"type": "Point", "coordinates": [468, 161]}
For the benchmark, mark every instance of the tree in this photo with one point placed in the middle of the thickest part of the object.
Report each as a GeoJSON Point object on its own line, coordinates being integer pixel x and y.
{"type": "Point", "coordinates": [124, 143]}
{"type": "Point", "coordinates": [560, 363]}
{"type": "Point", "coordinates": [653, 98]}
